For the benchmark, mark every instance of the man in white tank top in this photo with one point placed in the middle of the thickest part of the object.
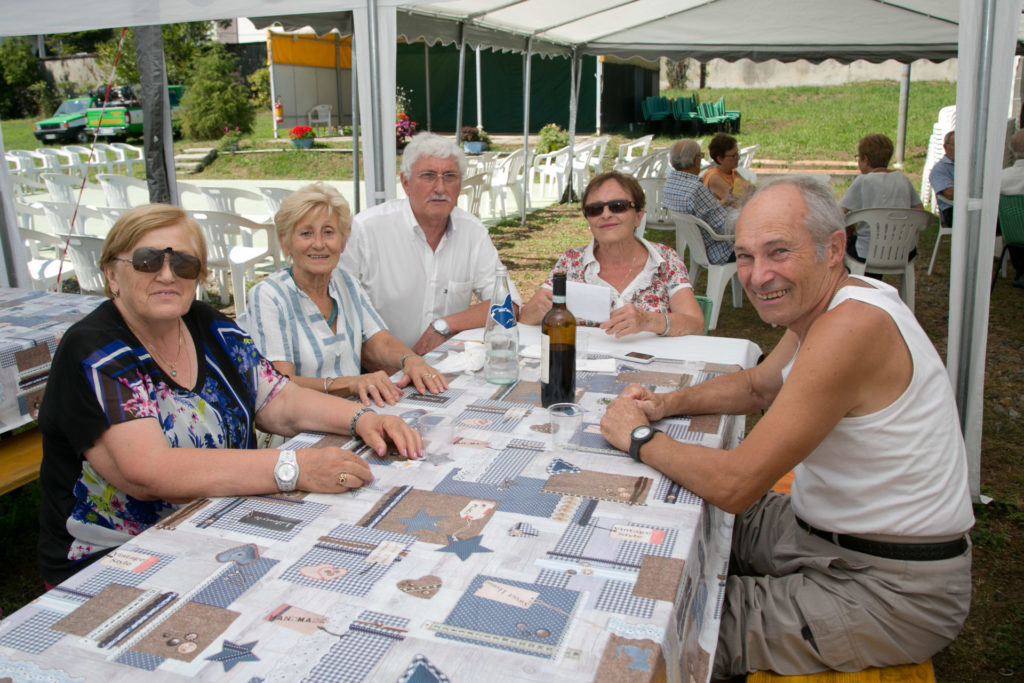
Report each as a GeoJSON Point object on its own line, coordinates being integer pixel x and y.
{"type": "Point", "coordinates": [867, 563]}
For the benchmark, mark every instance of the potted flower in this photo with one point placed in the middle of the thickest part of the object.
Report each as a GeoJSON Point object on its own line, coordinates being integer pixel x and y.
{"type": "Point", "coordinates": [229, 142]}
{"type": "Point", "coordinates": [302, 136]}
{"type": "Point", "coordinates": [474, 140]}
{"type": "Point", "coordinates": [405, 128]}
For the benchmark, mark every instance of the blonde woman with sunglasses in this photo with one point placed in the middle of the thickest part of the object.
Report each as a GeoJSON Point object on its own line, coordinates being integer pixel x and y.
{"type": "Point", "coordinates": [153, 400]}
{"type": "Point", "coordinates": [650, 289]}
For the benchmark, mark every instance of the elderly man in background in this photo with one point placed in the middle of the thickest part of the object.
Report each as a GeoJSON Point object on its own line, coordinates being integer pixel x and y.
{"type": "Point", "coordinates": [941, 179]}
{"type": "Point", "coordinates": [685, 193]}
{"type": "Point", "coordinates": [422, 258]}
{"type": "Point", "coordinates": [1012, 183]}
{"type": "Point", "coordinates": [867, 562]}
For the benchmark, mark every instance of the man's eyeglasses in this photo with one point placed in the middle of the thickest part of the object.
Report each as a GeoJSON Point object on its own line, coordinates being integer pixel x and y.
{"type": "Point", "coordinates": [430, 177]}
{"type": "Point", "coordinates": [731, 155]}
{"type": "Point", "coordinates": [151, 260]}
{"type": "Point", "coordinates": [615, 206]}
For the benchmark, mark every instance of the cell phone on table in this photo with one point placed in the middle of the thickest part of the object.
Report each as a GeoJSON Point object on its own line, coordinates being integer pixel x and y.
{"type": "Point", "coordinates": [633, 356]}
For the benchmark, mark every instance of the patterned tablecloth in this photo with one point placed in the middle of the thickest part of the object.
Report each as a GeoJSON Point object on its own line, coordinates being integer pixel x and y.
{"type": "Point", "coordinates": [31, 325]}
{"type": "Point", "coordinates": [497, 557]}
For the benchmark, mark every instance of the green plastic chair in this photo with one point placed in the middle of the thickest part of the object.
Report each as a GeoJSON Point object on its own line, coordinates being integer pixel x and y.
{"type": "Point", "coordinates": [1011, 224]}
{"type": "Point", "coordinates": [706, 307]}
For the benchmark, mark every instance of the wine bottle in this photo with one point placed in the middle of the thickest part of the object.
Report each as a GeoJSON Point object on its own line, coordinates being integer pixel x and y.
{"type": "Point", "coordinates": [558, 349]}
{"type": "Point", "coordinates": [501, 336]}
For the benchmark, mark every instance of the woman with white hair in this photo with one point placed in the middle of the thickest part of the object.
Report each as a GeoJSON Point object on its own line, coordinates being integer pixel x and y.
{"type": "Point", "coordinates": [314, 322]}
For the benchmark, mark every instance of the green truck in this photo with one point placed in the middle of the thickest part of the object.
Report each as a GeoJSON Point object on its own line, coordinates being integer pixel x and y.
{"type": "Point", "coordinates": [67, 124]}
{"type": "Point", "coordinates": [122, 117]}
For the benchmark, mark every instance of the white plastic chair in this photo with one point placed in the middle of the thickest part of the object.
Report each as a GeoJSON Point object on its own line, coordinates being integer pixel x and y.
{"type": "Point", "coordinates": [229, 198]}
{"type": "Point", "coordinates": [507, 178]}
{"type": "Point", "coordinates": [103, 156]}
{"type": "Point", "coordinates": [119, 189]}
{"type": "Point", "coordinates": [944, 231]}
{"type": "Point", "coordinates": [550, 169]}
{"type": "Point", "coordinates": [630, 152]}
{"type": "Point", "coordinates": [226, 255]}
{"type": "Point", "coordinates": [657, 216]}
{"type": "Point", "coordinates": [86, 158]}
{"type": "Point", "coordinates": [894, 235]}
{"type": "Point", "coordinates": [689, 229]}
{"type": "Point", "coordinates": [44, 270]}
{"type": "Point", "coordinates": [600, 147]}
{"type": "Point", "coordinates": [273, 196]}
{"type": "Point", "coordinates": [653, 165]}
{"type": "Point", "coordinates": [84, 252]}
{"type": "Point", "coordinates": [62, 187]}
{"type": "Point", "coordinates": [747, 157]}
{"type": "Point", "coordinates": [320, 115]}
{"type": "Point", "coordinates": [64, 218]}
{"type": "Point", "coordinates": [29, 163]}
{"type": "Point", "coordinates": [58, 160]}
{"type": "Point", "coordinates": [581, 158]}
{"type": "Point", "coordinates": [473, 189]}
{"type": "Point", "coordinates": [128, 155]}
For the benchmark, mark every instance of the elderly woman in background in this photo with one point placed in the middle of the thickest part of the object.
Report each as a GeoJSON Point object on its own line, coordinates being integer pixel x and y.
{"type": "Point", "coordinates": [152, 400]}
{"type": "Point", "coordinates": [650, 290]}
{"type": "Point", "coordinates": [314, 321]}
{"type": "Point", "coordinates": [723, 179]}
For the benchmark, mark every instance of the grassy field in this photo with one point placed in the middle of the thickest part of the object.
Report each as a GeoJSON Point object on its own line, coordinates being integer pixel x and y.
{"type": "Point", "coordinates": [788, 124]}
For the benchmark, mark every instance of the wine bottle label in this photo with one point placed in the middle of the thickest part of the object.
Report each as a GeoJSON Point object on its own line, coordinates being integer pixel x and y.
{"type": "Point", "coordinates": [545, 358]}
{"type": "Point", "coordinates": [503, 314]}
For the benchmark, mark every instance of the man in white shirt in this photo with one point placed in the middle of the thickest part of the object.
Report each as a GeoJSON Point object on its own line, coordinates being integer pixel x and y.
{"type": "Point", "coordinates": [422, 258]}
{"type": "Point", "coordinates": [867, 562]}
{"type": "Point", "coordinates": [1012, 183]}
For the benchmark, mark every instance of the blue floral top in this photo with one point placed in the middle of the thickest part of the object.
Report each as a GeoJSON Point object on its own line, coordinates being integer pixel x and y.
{"type": "Point", "coordinates": [102, 375]}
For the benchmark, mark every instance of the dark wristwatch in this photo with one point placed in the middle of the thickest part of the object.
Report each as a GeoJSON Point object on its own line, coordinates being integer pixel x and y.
{"type": "Point", "coordinates": [441, 327]}
{"type": "Point", "coordinates": [638, 437]}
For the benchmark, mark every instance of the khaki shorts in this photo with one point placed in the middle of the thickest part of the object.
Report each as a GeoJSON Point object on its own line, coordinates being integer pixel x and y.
{"type": "Point", "coordinates": [797, 604]}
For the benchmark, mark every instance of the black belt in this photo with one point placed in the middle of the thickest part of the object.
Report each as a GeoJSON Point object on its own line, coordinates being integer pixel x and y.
{"type": "Point", "coordinates": [915, 552]}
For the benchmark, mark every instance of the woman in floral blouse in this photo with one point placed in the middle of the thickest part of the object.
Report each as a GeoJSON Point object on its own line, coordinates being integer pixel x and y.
{"type": "Point", "coordinates": [650, 290]}
{"type": "Point", "coordinates": [152, 400]}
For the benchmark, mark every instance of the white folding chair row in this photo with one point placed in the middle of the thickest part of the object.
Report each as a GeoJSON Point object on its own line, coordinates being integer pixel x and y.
{"type": "Point", "coordinates": [689, 229]}
{"type": "Point", "coordinates": [228, 256]}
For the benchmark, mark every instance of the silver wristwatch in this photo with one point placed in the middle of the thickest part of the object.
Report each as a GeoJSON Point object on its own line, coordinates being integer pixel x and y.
{"type": "Point", "coordinates": [441, 327]}
{"type": "Point", "coordinates": [286, 472]}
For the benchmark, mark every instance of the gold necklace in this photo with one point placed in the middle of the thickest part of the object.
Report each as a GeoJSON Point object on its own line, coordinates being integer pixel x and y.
{"type": "Point", "coordinates": [163, 361]}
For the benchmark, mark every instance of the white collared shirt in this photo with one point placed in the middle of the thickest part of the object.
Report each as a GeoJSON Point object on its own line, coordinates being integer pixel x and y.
{"type": "Point", "coordinates": [411, 284]}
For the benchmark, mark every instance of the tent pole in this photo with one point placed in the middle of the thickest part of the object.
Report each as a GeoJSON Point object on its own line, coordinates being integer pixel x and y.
{"type": "Point", "coordinates": [599, 79]}
{"type": "Point", "coordinates": [337, 82]}
{"type": "Point", "coordinates": [158, 141]}
{"type": "Point", "coordinates": [379, 194]}
{"type": "Point", "coordinates": [527, 165]}
{"type": "Point", "coordinates": [426, 76]}
{"type": "Point", "coordinates": [901, 125]}
{"type": "Point", "coordinates": [270, 69]}
{"type": "Point", "coordinates": [479, 97]}
{"type": "Point", "coordinates": [13, 270]}
{"type": "Point", "coordinates": [355, 130]}
{"type": "Point", "coordinates": [462, 82]}
{"type": "Point", "coordinates": [575, 63]}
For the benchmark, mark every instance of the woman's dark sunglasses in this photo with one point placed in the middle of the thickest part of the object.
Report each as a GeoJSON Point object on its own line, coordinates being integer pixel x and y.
{"type": "Point", "coordinates": [150, 260]}
{"type": "Point", "coordinates": [615, 206]}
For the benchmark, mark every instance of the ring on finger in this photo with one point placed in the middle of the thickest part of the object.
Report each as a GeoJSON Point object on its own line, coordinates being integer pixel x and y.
{"type": "Point", "coordinates": [343, 479]}
{"type": "Point", "coordinates": [429, 375]}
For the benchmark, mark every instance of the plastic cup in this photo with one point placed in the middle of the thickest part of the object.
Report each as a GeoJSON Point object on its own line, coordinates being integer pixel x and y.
{"type": "Point", "coordinates": [565, 419]}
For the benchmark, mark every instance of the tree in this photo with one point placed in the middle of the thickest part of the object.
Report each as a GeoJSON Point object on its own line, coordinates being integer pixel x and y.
{"type": "Point", "coordinates": [216, 97]}
{"type": "Point", "coordinates": [19, 69]}
{"type": "Point", "coordinates": [62, 44]}
{"type": "Point", "coordinates": [182, 45]}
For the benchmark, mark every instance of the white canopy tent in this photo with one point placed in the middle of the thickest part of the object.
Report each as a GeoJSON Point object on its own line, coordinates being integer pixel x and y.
{"type": "Point", "coordinates": [846, 30]}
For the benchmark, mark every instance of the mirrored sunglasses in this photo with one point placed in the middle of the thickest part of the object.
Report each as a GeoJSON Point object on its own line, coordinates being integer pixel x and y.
{"type": "Point", "coordinates": [615, 206]}
{"type": "Point", "coordinates": [151, 260]}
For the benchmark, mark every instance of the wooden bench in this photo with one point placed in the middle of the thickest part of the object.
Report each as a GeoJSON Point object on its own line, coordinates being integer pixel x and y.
{"type": "Point", "coordinates": [906, 673]}
{"type": "Point", "coordinates": [20, 456]}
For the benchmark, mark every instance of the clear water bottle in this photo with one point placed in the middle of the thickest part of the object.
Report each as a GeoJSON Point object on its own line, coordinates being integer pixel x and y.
{"type": "Point", "coordinates": [501, 336]}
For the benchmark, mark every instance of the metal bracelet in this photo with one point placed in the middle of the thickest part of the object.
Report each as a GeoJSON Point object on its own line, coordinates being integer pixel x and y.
{"type": "Point", "coordinates": [668, 325]}
{"type": "Point", "coordinates": [401, 361]}
{"type": "Point", "coordinates": [355, 418]}
{"type": "Point", "coordinates": [328, 381]}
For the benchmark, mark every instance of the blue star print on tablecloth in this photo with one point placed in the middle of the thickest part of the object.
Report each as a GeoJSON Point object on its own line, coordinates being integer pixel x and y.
{"type": "Point", "coordinates": [465, 547]}
{"type": "Point", "coordinates": [421, 521]}
{"type": "Point", "coordinates": [233, 653]}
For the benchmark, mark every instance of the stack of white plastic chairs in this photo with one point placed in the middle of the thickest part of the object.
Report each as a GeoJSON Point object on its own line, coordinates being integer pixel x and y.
{"type": "Point", "coordinates": [946, 123]}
